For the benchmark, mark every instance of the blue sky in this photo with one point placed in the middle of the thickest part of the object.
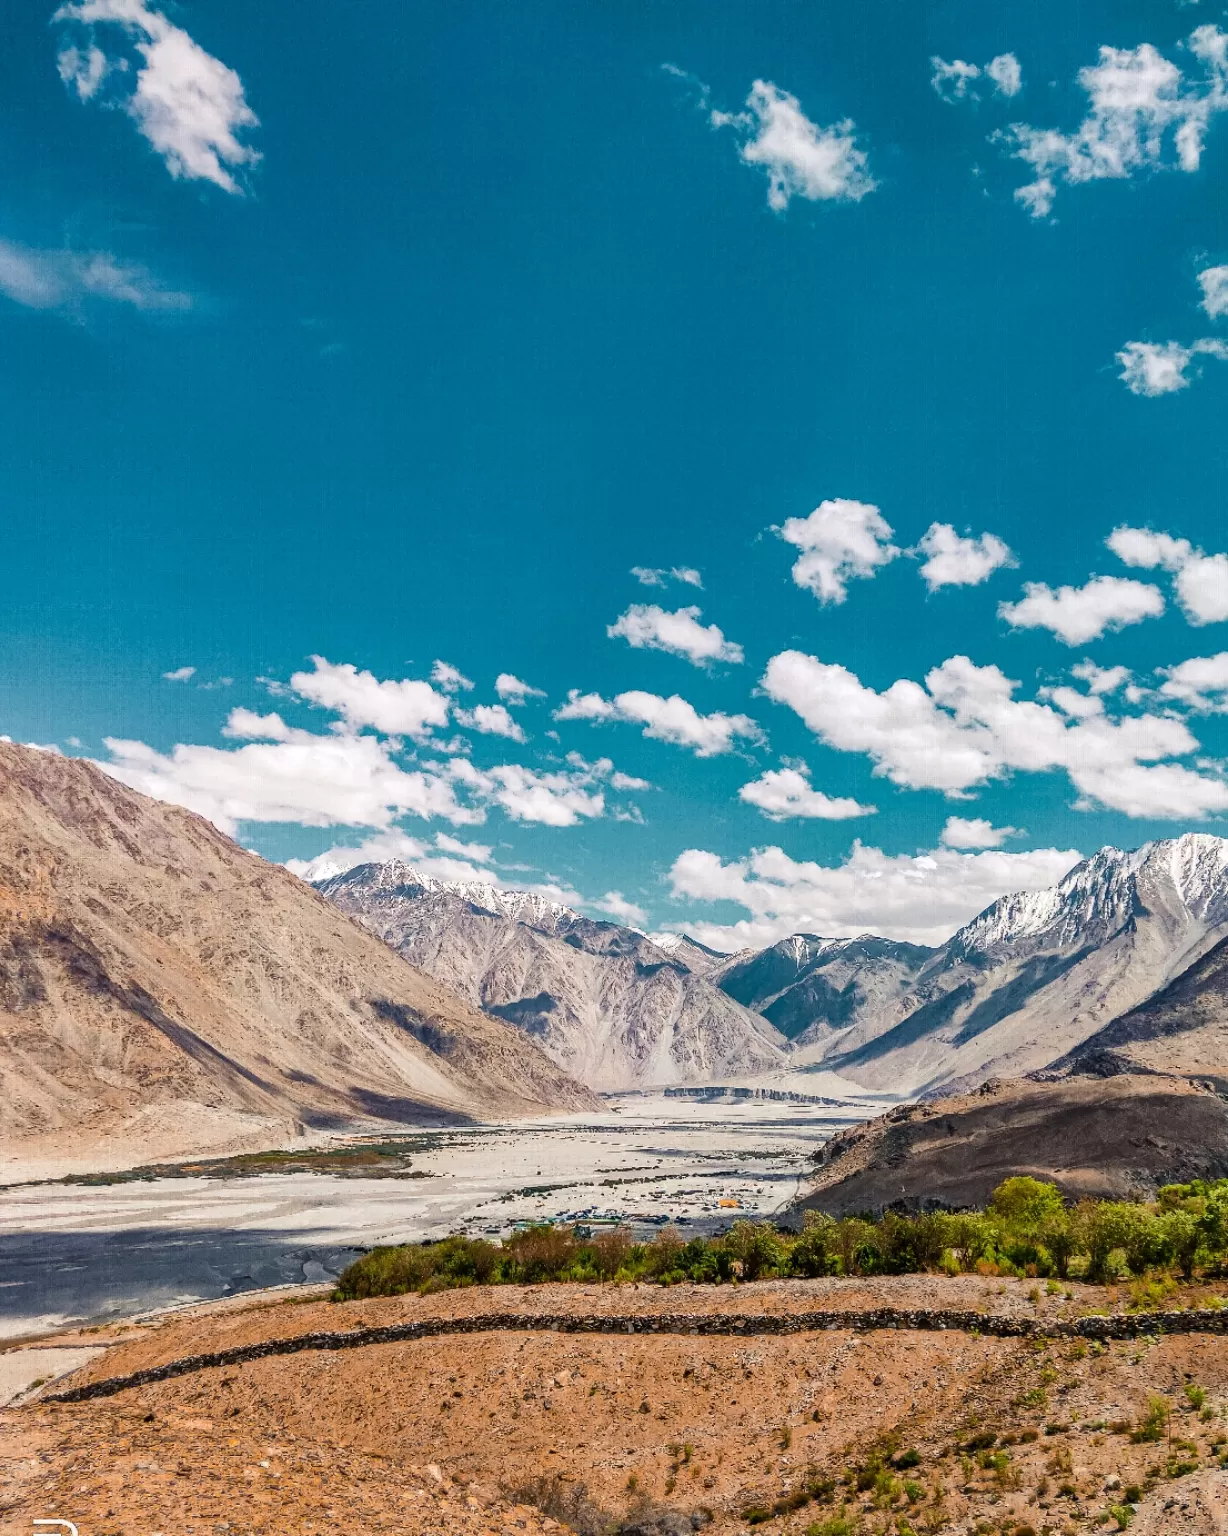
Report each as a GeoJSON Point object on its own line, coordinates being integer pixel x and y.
{"type": "Point", "coordinates": [407, 335]}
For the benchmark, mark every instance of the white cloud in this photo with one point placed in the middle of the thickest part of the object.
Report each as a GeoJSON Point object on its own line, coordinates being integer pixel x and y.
{"type": "Point", "coordinates": [651, 577]}
{"type": "Point", "coordinates": [647, 627]}
{"type": "Point", "coordinates": [386, 846]}
{"type": "Point", "coordinates": [247, 725]}
{"type": "Point", "coordinates": [1152, 368]}
{"type": "Point", "coordinates": [490, 720]}
{"type": "Point", "coordinates": [550, 799]}
{"type": "Point", "coordinates": [1079, 614]}
{"type": "Point", "coordinates": [180, 674]}
{"type": "Point", "coordinates": [954, 80]}
{"type": "Point", "coordinates": [317, 781]}
{"type": "Point", "coordinates": [1006, 73]}
{"type": "Point", "coordinates": [512, 691]}
{"type": "Point", "coordinates": [1143, 115]}
{"type": "Point", "coordinates": [839, 540]}
{"type": "Point", "coordinates": [1079, 706]}
{"type": "Point", "coordinates": [68, 280]}
{"type": "Point", "coordinates": [614, 904]}
{"type": "Point", "coordinates": [974, 832]}
{"type": "Point", "coordinates": [187, 104]}
{"type": "Point", "coordinates": [408, 707]}
{"type": "Point", "coordinates": [1214, 284]}
{"type": "Point", "coordinates": [1201, 580]}
{"type": "Point", "coordinates": [784, 793]}
{"type": "Point", "coordinates": [965, 728]}
{"type": "Point", "coordinates": [481, 852]}
{"type": "Point", "coordinates": [921, 900]}
{"type": "Point", "coordinates": [673, 720]}
{"type": "Point", "coordinates": [1100, 679]}
{"type": "Point", "coordinates": [451, 679]}
{"type": "Point", "coordinates": [1201, 683]}
{"type": "Point", "coordinates": [801, 158]}
{"type": "Point", "coordinates": [954, 561]}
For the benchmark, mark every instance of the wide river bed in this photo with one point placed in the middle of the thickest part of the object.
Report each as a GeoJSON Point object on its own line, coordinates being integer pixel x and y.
{"type": "Point", "coordinates": [71, 1253]}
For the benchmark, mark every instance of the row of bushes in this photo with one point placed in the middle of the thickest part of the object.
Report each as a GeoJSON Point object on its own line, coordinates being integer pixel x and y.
{"type": "Point", "coordinates": [1027, 1229]}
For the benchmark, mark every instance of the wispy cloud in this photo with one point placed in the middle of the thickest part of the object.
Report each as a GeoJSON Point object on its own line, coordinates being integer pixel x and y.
{"type": "Point", "coordinates": [189, 106]}
{"type": "Point", "coordinates": [955, 80]}
{"type": "Point", "coordinates": [651, 576]}
{"type": "Point", "coordinates": [69, 281]}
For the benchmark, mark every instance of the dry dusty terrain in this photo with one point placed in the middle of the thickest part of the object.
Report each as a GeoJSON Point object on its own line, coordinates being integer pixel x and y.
{"type": "Point", "coordinates": [165, 992]}
{"type": "Point", "coordinates": [450, 1434]}
{"type": "Point", "coordinates": [1115, 1138]}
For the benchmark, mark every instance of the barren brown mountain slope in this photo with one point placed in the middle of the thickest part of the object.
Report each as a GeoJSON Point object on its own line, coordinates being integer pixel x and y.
{"type": "Point", "coordinates": [1111, 1139]}
{"type": "Point", "coordinates": [1180, 1030]}
{"type": "Point", "coordinates": [164, 992]}
{"type": "Point", "coordinates": [651, 1434]}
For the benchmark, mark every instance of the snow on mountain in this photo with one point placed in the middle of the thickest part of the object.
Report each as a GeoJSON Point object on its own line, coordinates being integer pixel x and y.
{"type": "Point", "coordinates": [1039, 972]}
{"type": "Point", "coordinates": [620, 1009]}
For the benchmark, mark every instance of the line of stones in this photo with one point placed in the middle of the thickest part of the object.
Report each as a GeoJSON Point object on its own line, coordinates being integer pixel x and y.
{"type": "Point", "coordinates": [736, 1324]}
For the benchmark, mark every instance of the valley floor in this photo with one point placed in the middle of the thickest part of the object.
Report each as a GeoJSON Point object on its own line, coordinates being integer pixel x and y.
{"type": "Point", "coordinates": [509, 1431]}
{"type": "Point", "coordinates": [74, 1252]}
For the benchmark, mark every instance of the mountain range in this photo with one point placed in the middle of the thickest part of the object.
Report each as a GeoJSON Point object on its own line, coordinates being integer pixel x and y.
{"type": "Point", "coordinates": [613, 1008]}
{"type": "Point", "coordinates": [165, 992]}
{"type": "Point", "coordinates": [1033, 981]}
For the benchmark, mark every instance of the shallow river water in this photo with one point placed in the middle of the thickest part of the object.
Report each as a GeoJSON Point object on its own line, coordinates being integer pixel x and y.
{"type": "Point", "coordinates": [70, 1252]}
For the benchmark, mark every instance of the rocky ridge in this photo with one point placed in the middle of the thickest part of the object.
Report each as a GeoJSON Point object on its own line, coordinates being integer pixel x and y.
{"type": "Point", "coordinates": [606, 1002]}
{"type": "Point", "coordinates": [165, 992]}
{"type": "Point", "coordinates": [1017, 989]}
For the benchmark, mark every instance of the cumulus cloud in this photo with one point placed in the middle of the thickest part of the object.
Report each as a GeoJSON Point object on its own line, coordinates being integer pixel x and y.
{"type": "Point", "coordinates": [316, 781]}
{"type": "Point", "coordinates": [408, 707]}
{"type": "Point", "coordinates": [1200, 580]}
{"type": "Point", "coordinates": [1079, 614]}
{"type": "Point", "coordinates": [974, 832]}
{"type": "Point", "coordinates": [1142, 115]}
{"type": "Point", "coordinates": [1100, 680]}
{"type": "Point", "coordinates": [1151, 368]}
{"type": "Point", "coordinates": [956, 80]}
{"type": "Point", "coordinates": [1006, 73]}
{"type": "Point", "coordinates": [801, 158]}
{"type": "Point", "coordinates": [673, 720]}
{"type": "Point", "coordinates": [454, 860]}
{"type": "Point", "coordinates": [451, 679]}
{"type": "Point", "coordinates": [647, 627]}
{"type": "Point", "coordinates": [921, 900]}
{"type": "Point", "coordinates": [1201, 683]}
{"type": "Point", "coordinates": [955, 561]}
{"type": "Point", "coordinates": [785, 793]}
{"type": "Point", "coordinates": [559, 799]}
{"type": "Point", "coordinates": [614, 904]}
{"type": "Point", "coordinates": [839, 540]}
{"type": "Point", "coordinates": [512, 691]}
{"type": "Point", "coordinates": [180, 674]}
{"type": "Point", "coordinates": [1214, 284]}
{"type": "Point", "coordinates": [189, 106]}
{"type": "Point", "coordinates": [965, 728]}
{"type": "Point", "coordinates": [68, 281]}
{"type": "Point", "coordinates": [490, 720]}
{"type": "Point", "coordinates": [653, 577]}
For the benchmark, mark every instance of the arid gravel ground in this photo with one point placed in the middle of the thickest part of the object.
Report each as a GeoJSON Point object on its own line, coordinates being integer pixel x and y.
{"type": "Point", "coordinates": [451, 1434]}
